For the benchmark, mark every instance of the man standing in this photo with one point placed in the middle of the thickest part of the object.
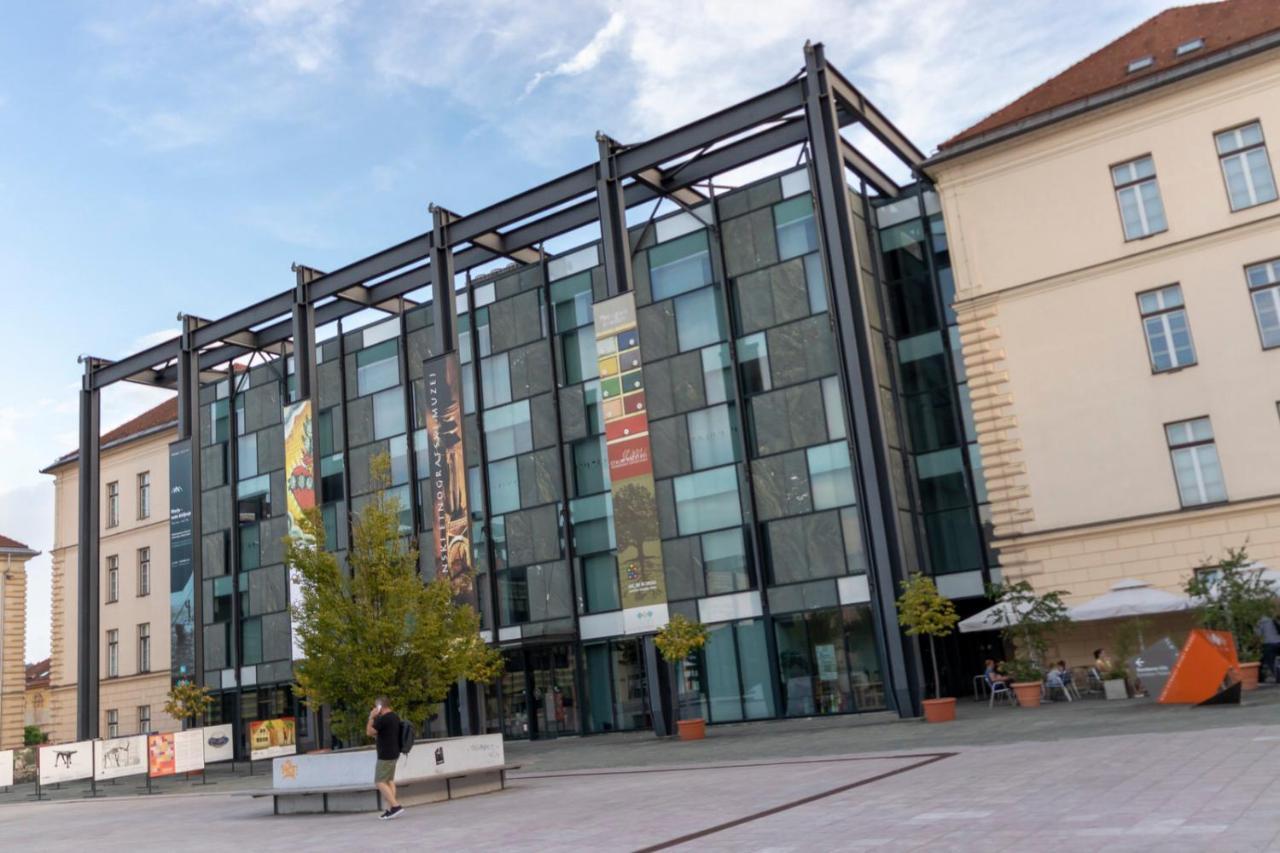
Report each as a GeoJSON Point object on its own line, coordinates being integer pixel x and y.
{"type": "Point", "coordinates": [1270, 648]}
{"type": "Point", "coordinates": [384, 727]}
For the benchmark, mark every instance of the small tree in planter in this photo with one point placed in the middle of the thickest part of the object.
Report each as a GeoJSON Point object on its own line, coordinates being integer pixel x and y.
{"type": "Point", "coordinates": [188, 702]}
{"type": "Point", "coordinates": [922, 610]}
{"type": "Point", "coordinates": [1231, 595]}
{"type": "Point", "coordinates": [678, 639]}
{"type": "Point", "coordinates": [1029, 619]}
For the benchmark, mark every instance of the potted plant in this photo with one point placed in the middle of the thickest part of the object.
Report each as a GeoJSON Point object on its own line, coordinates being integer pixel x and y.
{"type": "Point", "coordinates": [1114, 681]}
{"type": "Point", "coordinates": [1029, 618]}
{"type": "Point", "coordinates": [922, 610]}
{"type": "Point", "coordinates": [678, 639]}
{"type": "Point", "coordinates": [1231, 595]}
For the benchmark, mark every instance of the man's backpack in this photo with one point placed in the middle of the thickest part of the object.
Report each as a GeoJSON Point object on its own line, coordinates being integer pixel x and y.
{"type": "Point", "coordinates": [406, 737]}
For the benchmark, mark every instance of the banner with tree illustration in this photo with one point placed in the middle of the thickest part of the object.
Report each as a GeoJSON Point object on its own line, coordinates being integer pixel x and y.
{"type": "Point", "coordinates": [626, 426]}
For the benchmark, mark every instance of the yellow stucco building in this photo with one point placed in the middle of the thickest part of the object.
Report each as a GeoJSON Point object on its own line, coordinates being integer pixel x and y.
{"type": "Point", "coordinates": [13, 627]}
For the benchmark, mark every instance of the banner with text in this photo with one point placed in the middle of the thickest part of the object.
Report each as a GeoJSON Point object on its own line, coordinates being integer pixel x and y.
{"type": "Point", "coordinates": [626, 428]}
{"type": "Point", "coordinates": [300, 489]}
{"type": "Point", "coordinates": [175, 752]}
{"type": "Point", "coordinates": [182, 623]}
{"type": "Point", "coordinates": [450, 508]}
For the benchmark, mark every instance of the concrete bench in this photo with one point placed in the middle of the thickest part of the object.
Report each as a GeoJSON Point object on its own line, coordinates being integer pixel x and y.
{"type": "Point", "coordinates": [366, 798]}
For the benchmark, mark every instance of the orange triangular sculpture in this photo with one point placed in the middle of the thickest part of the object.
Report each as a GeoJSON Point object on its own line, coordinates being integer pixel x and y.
{"type": "Point", "coordinates": [1206, 665]}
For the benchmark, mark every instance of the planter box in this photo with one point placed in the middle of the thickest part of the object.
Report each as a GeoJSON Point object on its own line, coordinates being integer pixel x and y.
{"type": "Point", "coordinates": [1249, 675]}
{"type": "Point", "coordinates": [940, 710]}
{"type": "Point", "coordinates": [1028, 693]}
{"type": "Point", "coordinates": [1115, 688]}
{"type": "Point", "coordinates": [692, 729]}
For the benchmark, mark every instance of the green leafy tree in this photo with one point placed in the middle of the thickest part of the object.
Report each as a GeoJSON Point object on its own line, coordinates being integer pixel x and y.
{"type": "Point", "coordinates": [33, 736]}
{"type": "Point", "coordinates": [923, 611]}
{"type": "Point", "coordinates": [1028, 620]}
{"type": "Point", "coordinates": [188, 701]}
{"type": "Point", "coordinates": [379, 630]}
{"type": "Point", "coordinates": [679, 638]}
{"type": "Point", "coordinates": [1231, 595]}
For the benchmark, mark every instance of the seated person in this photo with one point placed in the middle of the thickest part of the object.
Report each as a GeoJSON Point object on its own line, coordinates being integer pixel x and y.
{"type": "Point", "coordinates": [1064, 674]}
{"type": "Point", "coordinates": [1100, 661]}
{"type": "Point", "coordinates": [993, 675]}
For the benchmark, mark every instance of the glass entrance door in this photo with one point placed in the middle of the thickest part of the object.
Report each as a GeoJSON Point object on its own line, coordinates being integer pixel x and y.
{"type": "Point", "coordinates": [539, 692]}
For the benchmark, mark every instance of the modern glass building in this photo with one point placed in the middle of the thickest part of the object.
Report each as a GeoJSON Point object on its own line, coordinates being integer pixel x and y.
{"type": "Point", "coordinates": [745, 406]}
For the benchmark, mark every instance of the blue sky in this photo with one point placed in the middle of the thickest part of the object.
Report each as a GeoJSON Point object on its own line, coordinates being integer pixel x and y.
{"type": "Point", "coordinates": [157, 158]}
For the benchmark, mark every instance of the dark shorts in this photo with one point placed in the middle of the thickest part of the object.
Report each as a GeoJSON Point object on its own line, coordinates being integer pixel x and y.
{"type": "Point", "coordinates": [385, 770]}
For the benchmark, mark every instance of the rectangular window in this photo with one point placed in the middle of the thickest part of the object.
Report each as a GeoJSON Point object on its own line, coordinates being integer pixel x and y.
{"type": "Point", "coordinates": [571, 300]}
{"type": "Point", "coordinates": [495, 380]}
{"type": "Point", "coordinates": [716, 374]}
{"type": "Point", "coordinates": [1141, 209]}
{"type": "Point", "coordinates": [144, 571]}
{"type": "Point", "coordinates": [508, 431]}
{"type": "Point", "coordinates": [830, 475]}
{"type": "Point", "coordinates": [724, 559]}
{"type": "Point", "coordinates": [113, 504]}
{"type": "Point", "coordinates": [377, 368]}
{"type": "Point", "coordinates": [113, 653]}
{"type": "Point", "coordinates": [1245, 167]}
{"type": "Point", "coordinates": [247, 456]}
{"type": "Point", "coordinates": [713, 437]}
{"type": "Point", "coordinates": [707, 500]}
{"type": "Point", "coordinates": [144, 647]}
{"type": "Point", "coordinates": [680, 265]}
{"type": "Point", "coordinates": [113, 578]}
{"type": "Point", "coordinates": [144, 494]}
{"type": "Point", "coordinates": [590, 471]}
{"type": "Point", "coordinates": [1195, 462]}
{"type": "Point", "coordinates": [1164, 320]}
{"type": "Point", "coordinates": [144, 719]}
{"type": "Point", "coordinates": [793, 221]}
{"type": "Point", "coordinates": [504, 487]}
{"type": "Point", "coordinates": [600, 580]}
{"type": "Point", "coordinates": [388, 413]}
{"type": "Point", "coordinates": [698, 320]}
{"type": "Point", "coordinates": [753, 364]}
{"type": "Point", "coordinates": [1264, 289]}
{"type": "Point", "coordinates": [113, 722]}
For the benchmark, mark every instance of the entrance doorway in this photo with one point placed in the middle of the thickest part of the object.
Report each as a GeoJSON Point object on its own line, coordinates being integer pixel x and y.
{"type": "Point", "coordinates": [539, 692]}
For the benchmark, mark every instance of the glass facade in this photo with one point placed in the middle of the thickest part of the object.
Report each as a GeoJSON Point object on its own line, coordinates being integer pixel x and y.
{"type": "Point", "coordinates": [760, 500]}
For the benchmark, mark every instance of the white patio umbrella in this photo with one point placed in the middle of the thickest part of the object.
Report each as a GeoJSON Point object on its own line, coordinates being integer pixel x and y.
{"type": "Point", "coordinates": [1129, 598]}
{"type": "Point", "coordinates": [994, 618]}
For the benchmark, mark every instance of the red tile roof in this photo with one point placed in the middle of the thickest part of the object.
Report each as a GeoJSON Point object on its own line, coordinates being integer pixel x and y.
{"type": "Point", "coordinates": [1221, 25]}
{"type": "Point", "coordinates": [158, 416]}
{"type": "Point", "coordinates": [38, 673]}
{"type": "Point", "coordinates": [6, 542]}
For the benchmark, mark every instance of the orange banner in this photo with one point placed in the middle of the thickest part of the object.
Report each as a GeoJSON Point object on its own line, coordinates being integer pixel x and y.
{"type": "Point", "coordinates": [1207, 664]}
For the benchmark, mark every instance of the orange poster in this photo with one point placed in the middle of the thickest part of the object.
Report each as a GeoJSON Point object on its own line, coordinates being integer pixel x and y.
{"type": "Point", "coordinates": [1206, 666]}
{"type": "Point", "coordinates": [160, 755]}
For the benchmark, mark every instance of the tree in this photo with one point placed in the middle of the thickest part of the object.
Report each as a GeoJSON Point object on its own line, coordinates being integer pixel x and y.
{"type": "Point", "coordinates": [677, 640]}
{"type": "Point", "coordinates": [33, 736]}
{"type": "Point", "coordinates": [1028, 620]}
{"type": "Point", "coordinates": [1232, 595]}
{"type": "Point", "coordinates": [922, 610]}
{"type": "Point", "coordinates": [187, 701]}
{"type": "Point", "coordinates": [379, 630]}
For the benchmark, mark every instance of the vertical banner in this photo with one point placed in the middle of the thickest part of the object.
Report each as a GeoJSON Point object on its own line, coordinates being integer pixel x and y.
{"type": "Point", "coordinates": [626, 429]}
{"type": "Point", "coordinates": [300, 490]}
{"type": "Point", "coordinates": [450, 510]}
{"type": "Point", "coordinates": [182, 623]}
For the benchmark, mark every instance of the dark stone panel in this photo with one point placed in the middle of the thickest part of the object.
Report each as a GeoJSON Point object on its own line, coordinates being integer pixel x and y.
{"type": "Point", "coordinates": [669, 439]}
{"type": "Point", "coordinates": [206, 425]}
{"type": "Point", "coordinates": [419, 391]}
{"type": "Point", "coordinates": [349, 365]}
{"type": "Point", "coordinates": [353, 341]}
{"type": "Point", "coordinates": [470, 443]}
{"type": "Point", "coordinates": [686, 382]}
{"type": "Point", "coordinates": [640, 278]}
{"type": "Point", "coordinates": [213, 554]}
{"type": "Point", "coordinates": [271, 448]}
{"type": "Point", "coordinates": [327, 350]}
{"type": "Point", "coordinates": [268, 590]}
{"type": "Point", "coordinates": [790, 291]}
{"type": "Point", "coordinates": [271, 534]}
{"type": "Point", "coordinates": [815, 595]}
{"type": "Point", "coordinates": [755, 301]}
{"type": "Point", "coordinates": [277, 493]}
{"type": "Point", "coordinates": [528, 318]}
{"type": "Point", "coordinates": [750, 242]}
{"type": "Point", "coordinates": [787, 354]}
{"type": "Point", "coordinates": [208, 393]}
{"type": "Point", "coordinates": [664, 496]}
{"type": "Point", "coordinates": [215, 509]}
{"type": "Point", "coordinates": [764, 193]}
{"type": "Point", "coordinates": [825, 544]}
{"type": "Point", "coordinates": [215, 646]}
{"type": "Point", "coordinates": [682, 564]}
{"type": "Point", "coordinates": [213, 467]}
{"type": "Point", "coordinates": [806, 415]}
{"type": "Point", "coordinates": [418, 342]}
{"type": "Point", "coordinates": [599, 285]}
{"type": "Point", "coordinates": [502, 325]}
{"type": "Point", "coordinates": [542, 414]}
{"type": "Point", "coordinates": [769, 423]}
{"type": "Point", "coordinates": [329, 378]}
{"type": "Point", "coordinates": [657, 328]}
{"type": "Point", "coordinates": [539, 477]}
{"type": "Point", "coordinates": [262, 406]}
{"type": "Point", "coordinates": [657, 389]}
{"type": "Point", "coordinates": [276, 636]}
{"type": "Point", "coordinates": [361, 460]}
{"type": "Point", "coordinates": [573, 413]}
{"type": "Point", "coordinates": [734, 204]}
{"type": "Point", "coordinates": [519, 527]}
{"type": "Point", "coordinates": [263, 373]}
{"type": "Point", "coordinates": [688, 609]}
{"type": "Point", "coordinates": [360, 420]}
{"type": "Point", "coordinates": [538, 361]}
{"type": "Point", "coordinates": [781, 485]}
{"type": "Point", "coordinates": [546, 533]}
{"type": "Point", "coordinates": [275, 672]}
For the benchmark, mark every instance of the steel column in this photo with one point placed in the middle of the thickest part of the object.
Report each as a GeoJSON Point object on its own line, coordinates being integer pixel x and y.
{"type": "Point", "coordinates": [613, 219]}
{"type": "Point", "coordinates": [304, 337]}
{"type": "Point", "coordinates": [410, 427]}
{"type": "Point", "coordinates": [88, 649]}
{"type": "Point", "coordinates": [865, 424]}
{"type": "Point", "coordinates": [444, 310]}
{"type": "Point", "coordinates": [189, 428]}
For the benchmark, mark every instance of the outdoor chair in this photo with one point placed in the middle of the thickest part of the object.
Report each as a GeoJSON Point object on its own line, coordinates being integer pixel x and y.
{"type": "Point", "coordinates": [980, 687]}
{"type": "Point", "coordinates": [999, 688]}
{"type": "Point", "coordinates": [1055, 682]}
{"type": "Point", "coordinates": [1095, 681]}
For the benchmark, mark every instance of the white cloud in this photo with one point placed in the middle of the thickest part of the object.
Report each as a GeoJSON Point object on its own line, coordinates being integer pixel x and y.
{"type": "Point", "coordinates": [306, 33]}
{"type": "Point", "coordinates": [588, 57]}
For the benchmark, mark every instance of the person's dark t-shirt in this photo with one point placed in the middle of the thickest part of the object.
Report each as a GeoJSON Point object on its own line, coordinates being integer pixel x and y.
{"type": "Point", "coordinates": [388, 739]}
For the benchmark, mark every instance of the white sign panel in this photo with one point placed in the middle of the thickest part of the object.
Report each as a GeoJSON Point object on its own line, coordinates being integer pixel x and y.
{"type": "Point", "coordinates": [428, 758]}
{"type": "Point", "coordinates": [188, 750]}
{"type": "Point", "coordinates": [6, 768]}
{"type": "Point", "coordinates": [121, 756]}
{"type": "Point", "coordinates": [66, 762]}
{"type": "Point", "coordinates": [218, 745]}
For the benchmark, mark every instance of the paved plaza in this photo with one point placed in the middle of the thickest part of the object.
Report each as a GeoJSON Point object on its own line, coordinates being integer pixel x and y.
{"type": "Point", "coordinates": [1087, 776]}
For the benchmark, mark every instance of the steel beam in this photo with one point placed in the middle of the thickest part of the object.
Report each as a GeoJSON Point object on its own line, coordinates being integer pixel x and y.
{"type": "Point", "coordinates": [865, 427]}
{"type": "Point", "coordinates": [868, 171]}
{"type": "Point", "coordinates": [612, 212]}
{"type": "Point", "coordinates": [874, 120]}
{"type": "Point", "coordinates": [495, 242]}
{"type": "Point", "coordinates": [88, 647]}
{"type": "Point", "coordinates": [304, 336]}
{"type": "Point", "coordinates": [686, 197]}
{"type": "Point", "coordinates": [444, 302]}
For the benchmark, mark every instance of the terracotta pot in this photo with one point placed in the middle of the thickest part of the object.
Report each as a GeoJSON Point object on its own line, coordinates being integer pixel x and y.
{"type": "Point", "coordinates": [1028, 693]}
{"type": "Point", "coordinates": [940, 710]}
{"type": "Point", "coordinates": [1249, 675]}
{"type": "Point", "coordinates": [692, 729]}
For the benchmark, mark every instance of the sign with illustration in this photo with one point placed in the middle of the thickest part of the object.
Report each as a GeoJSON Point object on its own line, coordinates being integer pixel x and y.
{"type": "Point", "coordinates": [626, 426]}
{"type": "Point", "coordinates": [6, 768]}
{"type": "Point", "coordinates": [300, 489]}
{"type": "Point", "coordinates": [175, 752]}
{"type": "Point", "coordinates": [182, 624]}
{"type": "Point", "coordinates": [218, 745]}
{"type": "Point", "coordinates": [269, 738]}
{"type": "Point", "coordinates": [114, 758]}
{"type": "Point", "coordinates": [25, 765]}
{"type": "Point", "coordinates": [66, 762]}
{"type": "Point", "coordinates": [450, 508]}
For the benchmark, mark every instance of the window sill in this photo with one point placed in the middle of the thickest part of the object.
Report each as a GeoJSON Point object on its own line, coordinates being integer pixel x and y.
{"type": "Point", "coordinates": [1178, 369]}
{"type": "Point", "coordinates": [1142, 237]}
{"type": "Point", "coordinates": [1254, 206]}
{"type": "Point", "coordinates": [1206, 505]}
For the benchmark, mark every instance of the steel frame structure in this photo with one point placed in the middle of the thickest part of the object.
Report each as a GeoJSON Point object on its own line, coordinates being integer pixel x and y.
{"type": "Point", "coordinates": [811, 109]}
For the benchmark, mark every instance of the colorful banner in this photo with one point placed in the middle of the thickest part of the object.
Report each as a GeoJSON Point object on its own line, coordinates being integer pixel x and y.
{"type": "Point", "coordinates": [66, 762]}
{"type": "Point", "coordinates": [182, 623]}
{"type": "Point", "coordinates": [450, 509]}
{"type": "Point", "coordinates": [300, 491]}
{"type": "Point", "coordinates": [218, 745]}
{"type": "Point", "coordinates": [626, 426]}
{"type": "Point", "coordinates": [121, 756]}
{"type": "Point", "coordinates": [269, 738]}
{"type": "Point", "coordinates": [175, 752]}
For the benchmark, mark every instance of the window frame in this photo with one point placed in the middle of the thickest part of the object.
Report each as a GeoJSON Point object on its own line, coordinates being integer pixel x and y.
{"type": "Point", "coordinates": [113, 722]}
{"type": "Point", "coordinates": [144, 720]}
{"type": "Point", "coordinates": [144, 495]}
{"type": "Point", "coordinates": [1163, 313]}
{"type": "Point", "coordinates": [113, 653]}
{"type": "Point", "coordinates": [1116, 188]}
{"type": "Point", "coordinates": [1172, 448]}
{"type": "Point", "coordinates": [144, 571]}
{"type": "Point", "coordinates": [1240, 152]}
{"type": "Point", "coordinates": [113, 504]}
{"type": "Point", "coordinates": [113, 578]}
{"type": "Point", "coordinates": [144, 647]}
{"type": "Point", "coordinates": [1272, 287]}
